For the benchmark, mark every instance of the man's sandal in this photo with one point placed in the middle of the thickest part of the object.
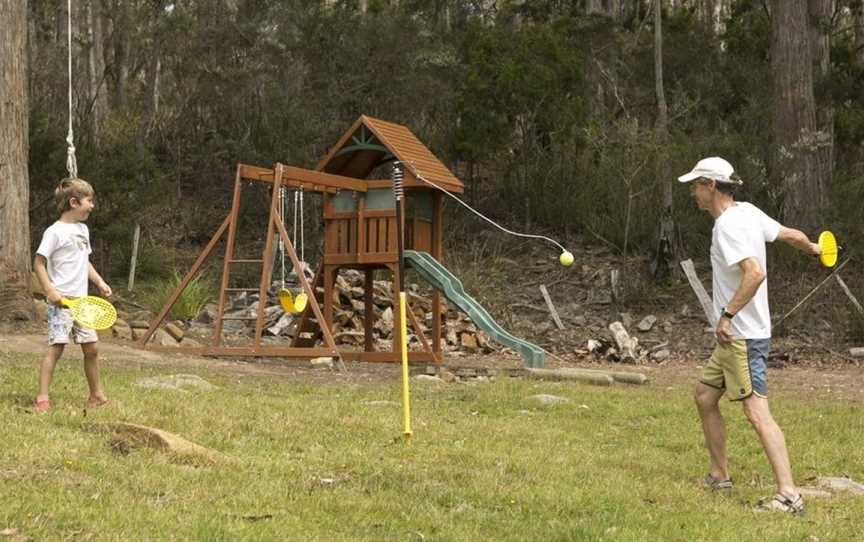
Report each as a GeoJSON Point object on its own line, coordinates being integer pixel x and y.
{"type": "Point", "coordinates": [716, 485]}
{"type": "Point", "coordinates": [782, 503]}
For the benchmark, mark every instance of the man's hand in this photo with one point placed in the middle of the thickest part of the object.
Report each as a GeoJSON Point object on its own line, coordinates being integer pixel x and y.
{"type": "Point", "coordinates": [815, 249]}
{"type": "Point", "coordinates": [104, 289]}
{"type": "Point", "coordinates": [724, 330]}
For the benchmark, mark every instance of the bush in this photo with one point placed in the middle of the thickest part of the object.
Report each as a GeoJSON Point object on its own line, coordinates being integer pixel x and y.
{"type": "Point", "coordinates": [200, 291]}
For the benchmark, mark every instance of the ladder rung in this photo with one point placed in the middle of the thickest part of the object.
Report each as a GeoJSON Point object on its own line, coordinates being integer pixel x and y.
{"type": "Point", "coordinates": [239, 317]}
{"type": "Point", "coordinates": [246, 261]}
{"type": "Point", "coordinates": [242, 289]}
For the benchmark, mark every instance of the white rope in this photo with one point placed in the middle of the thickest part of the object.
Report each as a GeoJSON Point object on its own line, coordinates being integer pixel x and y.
{"type": "Point", "coordinates": [481, 215]}
{"type": "Point", "coordinates": [282, 220]}
{"type": "Point", "coordinates": [71, 162]}
{"type": "Point", "coordinates": [302, 232]}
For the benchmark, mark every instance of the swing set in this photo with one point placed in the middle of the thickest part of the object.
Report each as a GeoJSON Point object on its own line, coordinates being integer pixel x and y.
{"type": "Point", "coordinates": [360, 232]}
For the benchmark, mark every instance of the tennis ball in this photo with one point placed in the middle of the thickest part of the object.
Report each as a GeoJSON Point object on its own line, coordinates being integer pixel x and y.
{"type": "Point", "coordinates": [566, 258]}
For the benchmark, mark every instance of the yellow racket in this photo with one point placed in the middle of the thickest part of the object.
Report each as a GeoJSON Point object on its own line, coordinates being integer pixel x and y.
{"type": "Point", "coordinates": [828, 246]}
{"type": "Point", "coordinates": [91, 311]}
{"type": "Point", "coordinates": [289, 303]}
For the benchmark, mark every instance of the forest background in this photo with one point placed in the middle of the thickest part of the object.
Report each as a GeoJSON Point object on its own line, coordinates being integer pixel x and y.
{"type": "Point", "coordinates": [570, 118]}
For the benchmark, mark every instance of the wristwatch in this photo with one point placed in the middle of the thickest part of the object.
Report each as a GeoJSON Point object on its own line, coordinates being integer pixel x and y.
{"type": "Point", "coordinates": [727, 314]}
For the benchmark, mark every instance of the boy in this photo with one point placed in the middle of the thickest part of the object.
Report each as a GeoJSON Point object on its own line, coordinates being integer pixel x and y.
{"type": "Point", "coordinates": [63, 267]}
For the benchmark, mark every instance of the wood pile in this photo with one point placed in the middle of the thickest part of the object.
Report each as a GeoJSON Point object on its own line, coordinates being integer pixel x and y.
{"type": "Point", "coordinates": [458, 334]}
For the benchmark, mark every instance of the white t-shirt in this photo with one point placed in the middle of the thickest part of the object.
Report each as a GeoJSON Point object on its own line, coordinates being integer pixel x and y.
{"type": "Point", "coordinates": [66, 247]}
{"type": "Point", "coordinates": [740, 233]}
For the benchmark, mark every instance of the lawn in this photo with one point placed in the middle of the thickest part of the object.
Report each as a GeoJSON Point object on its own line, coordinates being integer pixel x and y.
{"type": "Point", "coordinates": [314, 458]}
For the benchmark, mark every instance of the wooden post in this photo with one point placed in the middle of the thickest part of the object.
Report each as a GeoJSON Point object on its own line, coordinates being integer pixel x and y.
{"type": "Point", "coordinates": [135, 237]}
{"type": "Point", "coordinates": [851, 297]}
{"type": "Point", "coordinates": [549, 304]}
{"type": "Point", "coordinates": [699, 290]}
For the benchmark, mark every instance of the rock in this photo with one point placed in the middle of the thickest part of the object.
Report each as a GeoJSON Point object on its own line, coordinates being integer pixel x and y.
{"type": "Point", "coordinates": [428, 378]}
{"type": "Point", "coordinates": [857, 352]}
{"type": "Point", "coordinates": [468, 341]}
{"type": "Point", "coordinates": [647, 323]}
{"type": "Point", "coordinates": [208, 314]}
{"type": "Point", "coordinates": [191, 343]}
{"type": "Point", "coordinates": [660, 355]}
{"type": "Point", "coordinates": [840, 484]}
{"type": "Point", "coordinates": [545, 399]}
{"type": "Point", "coordinates": [178, 382]}
{"type": "Point", "coordinates": [626, 319]}
{"type": "Point", "coordinates": [128, 435]}
{"type": "Point", "coordinates": [139, 324]}
{"type": "Point", "coordinates": [579, 320]}
{"type": "Point", "coordinates": [322, 363]}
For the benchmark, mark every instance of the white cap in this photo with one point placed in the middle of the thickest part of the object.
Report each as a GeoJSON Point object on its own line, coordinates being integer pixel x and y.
{"type": "Point", "coordinates": [714, 168]}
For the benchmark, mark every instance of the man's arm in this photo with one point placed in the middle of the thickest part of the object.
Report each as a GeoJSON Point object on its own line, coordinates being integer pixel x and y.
{"type": "Point", "coordinates": [752, 276]}
{"type": "Point", "coordinates": [96, 279]}
{"type": "Point", "coordinates": [797, 239]}
{"type": "Point", "coordinates": [39, 267]}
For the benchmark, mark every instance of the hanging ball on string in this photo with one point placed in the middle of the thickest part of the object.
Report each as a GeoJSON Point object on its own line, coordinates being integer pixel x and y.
{"type": "Point", "coordinates": [566, 258]}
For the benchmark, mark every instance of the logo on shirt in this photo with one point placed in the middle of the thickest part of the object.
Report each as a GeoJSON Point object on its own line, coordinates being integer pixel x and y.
{"type": "Point", "coordinates": [81, 242]}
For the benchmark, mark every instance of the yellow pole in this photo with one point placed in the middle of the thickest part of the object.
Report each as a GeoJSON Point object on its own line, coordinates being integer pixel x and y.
{"type": "Point", "coordinates": [403, 343]}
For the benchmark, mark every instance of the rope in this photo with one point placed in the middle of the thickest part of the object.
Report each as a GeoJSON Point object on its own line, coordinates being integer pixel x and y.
{"type": "Point", "coordinates": [481, 215]}
{"type": "Point", "coordinates": [282, 219]}
{"type": "Point", "coordinates": [71, 162]}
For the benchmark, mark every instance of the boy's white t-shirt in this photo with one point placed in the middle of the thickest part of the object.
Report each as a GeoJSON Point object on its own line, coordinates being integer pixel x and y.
{"type": "Point", "coordinates": [66, 247]}
{"type": "Point", "coordinates": [740, 233]}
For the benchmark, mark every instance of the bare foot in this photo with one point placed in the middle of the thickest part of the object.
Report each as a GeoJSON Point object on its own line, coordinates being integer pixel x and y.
{"type": "Point", "coordinates": [97, 401]}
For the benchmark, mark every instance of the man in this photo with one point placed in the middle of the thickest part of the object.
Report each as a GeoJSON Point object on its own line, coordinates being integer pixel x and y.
{"type": "Point", "coordinates": [740, 292]}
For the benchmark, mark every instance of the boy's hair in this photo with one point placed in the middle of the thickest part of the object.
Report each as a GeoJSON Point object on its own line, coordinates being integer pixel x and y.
{"type": "Point", "coordinates": [68, 189]}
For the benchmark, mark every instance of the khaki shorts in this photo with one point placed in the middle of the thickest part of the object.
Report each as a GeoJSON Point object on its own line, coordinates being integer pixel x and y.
{"type": "Point", "coordinates": [62, 329]}
{"type": "Point", "coordinates": [739, 368]}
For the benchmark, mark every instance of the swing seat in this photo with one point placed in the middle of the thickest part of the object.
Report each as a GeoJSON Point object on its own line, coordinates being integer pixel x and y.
{"type": "Point", "coordinates": [291, 304]}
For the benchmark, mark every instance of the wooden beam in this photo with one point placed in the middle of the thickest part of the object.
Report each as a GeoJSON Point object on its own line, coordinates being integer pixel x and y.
{"type": "Point", "coordinates": [251, 351]}
{"type": "Point", "coordinates": [699, 290]}
{"type": "Point", "coordinates": [307, 177]}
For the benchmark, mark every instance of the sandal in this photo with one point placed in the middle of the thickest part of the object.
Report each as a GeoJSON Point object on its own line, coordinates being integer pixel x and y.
{"type": "Point", "coordinates": [43, 405]}
{"type": "Point", "coordinates": [709, 482]}
{"type": "Point", "coordinates": [782, 503]}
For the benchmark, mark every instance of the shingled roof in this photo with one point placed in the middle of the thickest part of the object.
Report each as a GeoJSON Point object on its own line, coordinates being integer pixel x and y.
{"type": "Point", "coordinates": [370, 142]}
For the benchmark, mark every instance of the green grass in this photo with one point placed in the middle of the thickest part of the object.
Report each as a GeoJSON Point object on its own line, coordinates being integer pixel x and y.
{"type": "Point", "coordinates": [317, 461]}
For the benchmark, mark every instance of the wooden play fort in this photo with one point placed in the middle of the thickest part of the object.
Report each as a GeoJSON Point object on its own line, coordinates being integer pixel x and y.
{"type": "Point", "coordinates": [359, 218]}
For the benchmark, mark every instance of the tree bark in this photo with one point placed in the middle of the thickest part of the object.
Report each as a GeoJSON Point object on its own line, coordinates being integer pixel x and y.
{"type": "Point", "coordinates": [97, 99]}
{"type": "Point", "coordinates": [821, 12]}
{"type": "Point", "coordinates": [794, 160]}
{"type": "Point", "coordinates": [667, 255]}
{"type": "Point", "coordinates": [858, 18]}
{"type": "Point", "coordinates": [16, 302]}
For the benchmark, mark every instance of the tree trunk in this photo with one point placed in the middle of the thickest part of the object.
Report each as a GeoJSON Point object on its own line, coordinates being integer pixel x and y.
{"type": "Point", "coordinates": [794, 160]}
{"type": "Point", "coordinates": [858, 18]}
{"type": "Point", "coordinates": [97, 100]}
{"type": "Point", "coordinates": [666, 258]}
{"type": "Point", "coordinates": [16, 303]}
{"type": "Point", "coordinates": [821, 12]}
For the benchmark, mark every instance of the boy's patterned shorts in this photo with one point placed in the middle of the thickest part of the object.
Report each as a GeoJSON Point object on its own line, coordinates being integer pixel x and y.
{"type": "Point", "coordinates": [62, 329]}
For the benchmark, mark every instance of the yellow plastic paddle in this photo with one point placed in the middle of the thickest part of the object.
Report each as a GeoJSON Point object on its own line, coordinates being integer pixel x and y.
{"type": "Point", "coordinates": [828, 245]}
{"type": "Point", "coordinates": [291, 304]}
{"type": "Point", "coordinates": [91, 311]}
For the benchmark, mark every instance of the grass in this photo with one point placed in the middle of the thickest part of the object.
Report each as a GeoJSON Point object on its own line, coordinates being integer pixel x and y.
{"type": "Point", "coordinates": [317, 459]}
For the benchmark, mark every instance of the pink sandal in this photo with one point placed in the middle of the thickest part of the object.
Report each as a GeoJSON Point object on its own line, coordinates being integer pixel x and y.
{"type": "Point", "coordinates": [43, 405]}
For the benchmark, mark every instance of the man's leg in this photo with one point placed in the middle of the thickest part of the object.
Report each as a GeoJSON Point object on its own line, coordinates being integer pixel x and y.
{"type": "Point", "coordinates": [773, 442]}
{"type": "Point", "coordinates": [714, 428]}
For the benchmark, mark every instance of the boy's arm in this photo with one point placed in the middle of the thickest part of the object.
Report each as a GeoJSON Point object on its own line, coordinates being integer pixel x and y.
{"type": "Point", "coordinates": [96, 279]}
{"type": "Point", "coordinates": [39, 267]}
{"type": "Point", "coordinates": [797, 239]}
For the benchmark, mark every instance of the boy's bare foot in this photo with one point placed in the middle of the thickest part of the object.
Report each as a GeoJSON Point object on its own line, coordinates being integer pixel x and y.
{"type": "Point", "coordinates": [41, 405]}
{"type": "Point", "coordinates": [96, 402]}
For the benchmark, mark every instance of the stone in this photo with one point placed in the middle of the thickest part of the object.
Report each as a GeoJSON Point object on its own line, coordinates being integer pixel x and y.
{"type": "Point", "coordinates": [857, 352]}
{"type": "Point", "coordinates": [178, 382]}
{"type": "Point", "coordinates": [139, 324]}
{"type": "Point", "coordinates": [546, 399]}
{"type": "Point", "coordinates": [647, 323]}
{"type": "Point", "coordinates": [834, 483]}
{"type": "Point", "coordinates": [660, 355]}
{"type": "Point", "coordinates": [468, 341]}
{"type": "Point", "coordinates": [163, 338]}
{"type": "Point", "coordinates": [428, 378]}
{"type": "Point", "coordinates": [121, 330]}
{"type": "Point", "coordinates": [125, 436]}
{"type": "Point", "coordinates": [322, 363]}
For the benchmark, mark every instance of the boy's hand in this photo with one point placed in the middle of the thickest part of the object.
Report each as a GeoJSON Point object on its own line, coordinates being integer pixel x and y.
{"type": "Point", "coordinates": [104, 289]}
{"type": "Point", "coordinates": [53, 297]}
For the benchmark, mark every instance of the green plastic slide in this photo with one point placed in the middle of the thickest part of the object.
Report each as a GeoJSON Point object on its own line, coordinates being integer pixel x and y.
{"type": "Point", "coordinates": [441, 279]}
